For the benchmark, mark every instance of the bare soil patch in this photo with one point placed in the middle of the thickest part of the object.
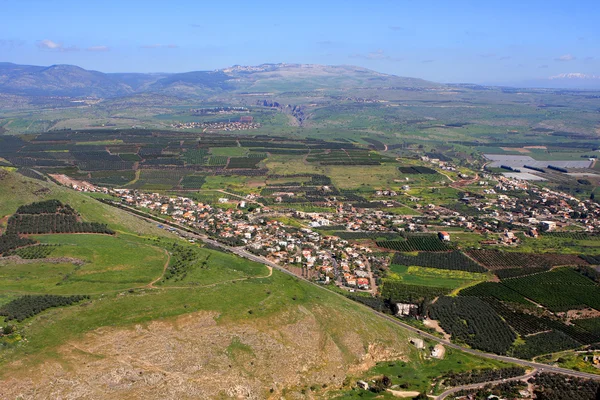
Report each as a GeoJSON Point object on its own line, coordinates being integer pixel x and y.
{"type": "Point", "coordinates": [516, 149]}
{"type": "Point", "coordinates": [193, 356]}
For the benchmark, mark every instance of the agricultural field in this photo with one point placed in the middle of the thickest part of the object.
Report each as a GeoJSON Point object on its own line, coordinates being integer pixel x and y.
{"type": "Point", "coordinates": [454, 260]}
{"type": "Point", "coordinates": [540, 331]}
{"type": "Point", "coordinates": [559, 290]}
{"type": "Point", "coordinates": [496, 290]}
{"type": "Point", "coordinates": [419, 375]}
{"type": "Point", "coordinates": [422, 276]}
{"type": "Point", "coordinates": [397, 291]}
{"type": "Point", "coordinates": [473, 321]}
{"type": "Point", "coordinates": [416, 243]}
{"type": "Point", "coordinates": [495, 260]}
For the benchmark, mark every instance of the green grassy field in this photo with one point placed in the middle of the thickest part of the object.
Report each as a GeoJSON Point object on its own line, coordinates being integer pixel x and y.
{"type": "Point", "coordinates": [434, 277]}
{"type": "Point", "coordinates": [418, 374]}
{"type": "Point", "coordinates": [213, 267]}
{"type": "Point", "coordinates": [18, 190]}
{"type": "Point", "coordinates": [110, 264]}
{"type": "Point", "coordinates": [229, 151]}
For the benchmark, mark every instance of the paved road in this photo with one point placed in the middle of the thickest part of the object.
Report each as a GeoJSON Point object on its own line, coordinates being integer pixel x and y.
{"type": "Point", "coordinates": [243, 253]}
{"type": "Point", "coordinates": [483, 384]}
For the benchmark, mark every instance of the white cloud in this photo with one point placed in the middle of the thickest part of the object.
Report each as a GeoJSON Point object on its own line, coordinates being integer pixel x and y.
{"type": "Point", "coordinates": [98, 48]}
{"type": "Point", "coordinates": [566, 57]}
{"type": "Point", "coordinates": [50, 45]}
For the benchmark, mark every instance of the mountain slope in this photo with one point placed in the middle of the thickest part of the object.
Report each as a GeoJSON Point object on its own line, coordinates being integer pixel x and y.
{"type": "Point", "coordinates": [296, 77]}
{"type": "Point", "coordinates": [73, 81]}
{"type": "Point", "coordinates": [59, 80]}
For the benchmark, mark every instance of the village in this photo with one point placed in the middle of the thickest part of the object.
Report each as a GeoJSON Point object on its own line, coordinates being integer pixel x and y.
{"type": "Point", "coordinates": [310, 252]}
{"type": "Point", "coordinates": [243, 124]}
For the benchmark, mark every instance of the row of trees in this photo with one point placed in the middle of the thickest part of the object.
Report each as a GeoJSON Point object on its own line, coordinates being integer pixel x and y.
{"type": "Point", "coordinates": [28, 306]}
{"type": "Point", "coordinates": [474, 322]}
{"type": "Point", "coordinates": [46, 207]}
{"type": "Point", "coordinates": [561, 387]}
{"type": "Point", "coordinates": [10, 242]}
{"type": "Point", "coordinates": [52, 223]}
{"type": "Point", "coordinates": [482, 375]}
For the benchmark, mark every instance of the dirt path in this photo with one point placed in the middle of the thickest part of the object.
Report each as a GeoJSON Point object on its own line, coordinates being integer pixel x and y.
{"type": "Point", "coordinates": [483, 384]}
{"type": "Point", "coordinates": [151, 284]}
{"type": "Point", "coordinates": [402, 393]}
{"type": "Point", "coordinates": [219, 283]}
{"type": "Point", "coordinates": [447, 176]}
{"type": "Point", "coordinates": [432, 323]}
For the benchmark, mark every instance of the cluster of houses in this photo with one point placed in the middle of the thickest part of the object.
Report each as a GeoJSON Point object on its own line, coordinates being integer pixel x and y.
{"type": "Point", "coordinates": [326, 257]}
{"type": "Point", "coordinates": [244, 124]}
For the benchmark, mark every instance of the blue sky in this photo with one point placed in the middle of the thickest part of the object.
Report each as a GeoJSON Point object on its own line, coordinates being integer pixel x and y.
{"type": "Point", "coordinates": [485, 41]}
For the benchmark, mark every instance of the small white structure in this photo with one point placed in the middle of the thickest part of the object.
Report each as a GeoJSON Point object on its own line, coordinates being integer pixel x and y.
{"type": "Point", "coordinates": [548, 226]}
{"type": "Point", "coordinates": [404, 309]}
{"type": "Point", "coordinates": [438, 351]}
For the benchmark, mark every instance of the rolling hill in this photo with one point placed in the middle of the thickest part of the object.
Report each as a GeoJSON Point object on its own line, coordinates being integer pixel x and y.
{"type": "Point", "coordinates": [241, 330]}
{"type": "Point", "coordinates": [73, 81]}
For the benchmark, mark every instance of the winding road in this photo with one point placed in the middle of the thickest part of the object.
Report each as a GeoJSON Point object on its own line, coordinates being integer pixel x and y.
{"type": "Point", "coordinates": [245, 254]}
{"type": "Point", "coordinates": [483, 384]}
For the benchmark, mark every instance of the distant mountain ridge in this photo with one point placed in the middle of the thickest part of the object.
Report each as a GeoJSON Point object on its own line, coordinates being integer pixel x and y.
{"type": "Point", "coordinates": [74, 81]}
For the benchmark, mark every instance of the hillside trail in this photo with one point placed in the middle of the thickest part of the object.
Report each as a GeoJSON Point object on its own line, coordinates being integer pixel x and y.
{"type": "Point", "coordinates": [151, 284]}
{"type": "Point", "coordinates": [219, 283]}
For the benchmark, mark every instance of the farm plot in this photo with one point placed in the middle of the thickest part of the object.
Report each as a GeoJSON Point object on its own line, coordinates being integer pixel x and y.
{"type": "Point", "coordinates": [396, 291]}
{"type": "Point", "coordinates": [433, 277]}
{"type": "Point", "coordinates": [417, 170]}
{"type": "Point", "coordinates": [376, 144]}
{"type": "Point", "coordinates": [494, 260]}
{"type": "Point", "coordinates": [193, 181]}
{"type": "Point", "coordinates": [559, 290]}
{"type": "Point", "coordinates": [510, 306]}
{"type": "Point", "coordinates": [517, 272]}
{"type": "Point", "coordinates": [50, 217]}
{"type": "Point", "coordinates": [572, 235]}
{"type": "Point", "coordinates": [347, 157]}
{"type": "Point", "coordinates": [543, 343]}
{"type": "Point", "coordinates": [454, 260]}
{"type": "Point", "coordinates": [32, 252]}
{"type": "Point", "coordinates": [495, 290]}
{"type": "Point", "coordinates": [367, 235]}
{"type": "Point", "coordinates": [416, 243]}
{"type": "Point", "coordinates": [112, 178]}
{"type": "Point", "coordinates": [522, 323]}
{"type": "Point", "coordinates": [243, 162]}
{"type": "Point", "coordinates": [159, 178]}
{"type": "Point", "coordinates": [473, 321]}
{"type": "Point", "coordinates": [217, 161]}
{"type": "Point", "coordinates": [591, 325]}
{"type": "Point", "coordinates": [195, 157]}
